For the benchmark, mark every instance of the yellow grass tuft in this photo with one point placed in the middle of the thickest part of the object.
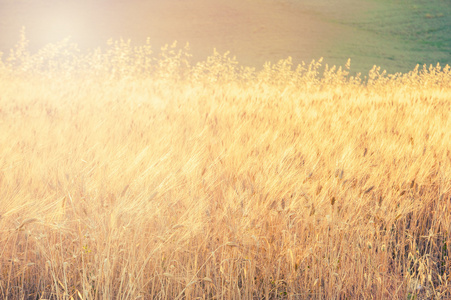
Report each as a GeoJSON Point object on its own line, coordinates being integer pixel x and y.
{"type": "Point", "coordinates": [129, 174]}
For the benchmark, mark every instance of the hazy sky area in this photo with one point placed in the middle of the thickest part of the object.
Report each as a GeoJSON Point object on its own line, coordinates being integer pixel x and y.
{"type": "Point", "coordinates": [393, 34]}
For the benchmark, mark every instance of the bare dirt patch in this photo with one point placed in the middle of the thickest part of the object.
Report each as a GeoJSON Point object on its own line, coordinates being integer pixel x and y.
{"type": "Point", "coordinates": [254, 31]}
{"type": "Point", "coordinates": [395, 36]}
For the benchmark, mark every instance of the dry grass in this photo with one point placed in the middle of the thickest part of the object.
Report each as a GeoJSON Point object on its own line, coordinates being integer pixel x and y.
{"type": "Point", "coordinates": [131, 175]}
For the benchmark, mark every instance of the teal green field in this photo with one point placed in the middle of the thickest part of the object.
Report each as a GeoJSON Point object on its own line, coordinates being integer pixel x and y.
{"type": "Point", "coordinates": [395, 35]}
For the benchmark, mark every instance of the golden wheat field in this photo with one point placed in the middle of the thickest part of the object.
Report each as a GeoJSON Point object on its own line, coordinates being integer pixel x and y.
{"type": "Point", "coordinates": [133, 173]}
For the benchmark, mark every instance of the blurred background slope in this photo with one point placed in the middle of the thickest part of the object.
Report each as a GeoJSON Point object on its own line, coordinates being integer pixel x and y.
{"type": "Point", "coordinates": [395, 35]}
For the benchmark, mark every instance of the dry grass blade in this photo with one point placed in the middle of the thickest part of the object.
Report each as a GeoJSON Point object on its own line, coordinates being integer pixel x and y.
{"type": "Point", "coordinates": [26, 222]}
{"type": "Point", "coordinates": [332, 201]}
{"type": "Point", "coordinates": [368, 190]}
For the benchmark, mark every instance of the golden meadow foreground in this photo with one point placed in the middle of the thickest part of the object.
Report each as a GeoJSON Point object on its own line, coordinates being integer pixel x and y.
{"type": "Point", "coordinates": [129, 174]}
